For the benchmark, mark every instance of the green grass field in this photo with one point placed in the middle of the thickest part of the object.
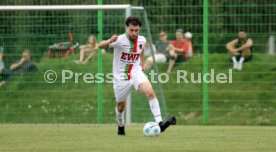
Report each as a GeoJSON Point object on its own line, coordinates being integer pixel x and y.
{"type": "Point", "coordinates": [40, 117]}
{"type": "Point", "coordinates": [249, 100]}
{"type": "Point", "coordinates": [101, 138]}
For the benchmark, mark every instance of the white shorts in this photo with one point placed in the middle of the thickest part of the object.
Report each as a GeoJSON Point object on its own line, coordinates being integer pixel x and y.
{"type": "Point", "coordinates": [159, 58]}
{"type": "Point", "coordinates": [122, 88]}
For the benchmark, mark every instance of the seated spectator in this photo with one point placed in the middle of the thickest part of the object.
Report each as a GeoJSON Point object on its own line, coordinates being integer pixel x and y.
{"type": "Point", "coordinates": [188, 37]}
{"type": "Point", "coordinates": [2, 68]}
{"type": "Point", "coordinates": [24, 65]}
{"type": "Point", "coordinates": [178, 50]}
{"type": "Point", "coordinates": [240, 49]}
{"type": "Point", "coordinates": [161, 55]}
{"type": "Point", "coordinates": [4, 73]}
{"type": "Point", "coordinates": [148, 48]}
{"type": "Point", "coordinates": [88, 51]}
{"type": "Point", "coordinates": [1, 58]}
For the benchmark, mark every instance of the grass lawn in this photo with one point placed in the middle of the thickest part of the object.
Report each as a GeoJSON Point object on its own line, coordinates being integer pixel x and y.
{"type": "Point", "coordinates": [88, 138]}
{"type": "Point", "coordinates": [249, 100]}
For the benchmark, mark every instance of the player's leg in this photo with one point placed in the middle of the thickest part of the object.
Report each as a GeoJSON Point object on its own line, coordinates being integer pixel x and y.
{"type": "Point", "coordinates": [121, 91]}
{"type": "Point", "coordinates": [147, 90]}
{"type": "Point", "coordinates": [120, 110]}
{"type": "Point", "coordinates": [142, 84]}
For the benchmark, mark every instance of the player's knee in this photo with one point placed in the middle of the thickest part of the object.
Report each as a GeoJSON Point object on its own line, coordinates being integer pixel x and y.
{"type": "Point", "coordinates": [121, 106]}
{"type": "Point", "coordinates": [150, 94]}
{"type": "Point", "coordinates": [120, 109]}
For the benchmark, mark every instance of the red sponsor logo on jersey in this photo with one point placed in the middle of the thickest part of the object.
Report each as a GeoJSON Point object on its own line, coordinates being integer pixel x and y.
{"type": "Point", "coordinates": [130, 56]}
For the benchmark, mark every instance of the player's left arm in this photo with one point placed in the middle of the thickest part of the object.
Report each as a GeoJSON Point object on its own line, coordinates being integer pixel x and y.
{"type": "Point", "coordinates": [105, 43]}
{"type": "Point", "coordinates": [248, 44]}
{"type": "Point", "coordinates": [142, 58]}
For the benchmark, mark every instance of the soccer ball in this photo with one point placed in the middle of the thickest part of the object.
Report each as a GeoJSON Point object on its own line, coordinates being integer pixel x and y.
{"type": "Point", "coordinates": [151, 129]}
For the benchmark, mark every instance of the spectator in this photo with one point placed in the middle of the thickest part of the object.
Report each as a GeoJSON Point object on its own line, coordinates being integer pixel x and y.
{"type": "Point", "coordinates": [24, 65]}
{"type": "Point", "coordinates": [188, 37]}
{"type": "Point", "coordinates": [240, 49]}
{"type": "Point", "coordinates": [161, 53]}
{"type": "Point", "coordinates": [1, 55]}
{"type": "Point", "coordinates": [4, 73]}
{"type": "Point", "coordinates": [2, 68]}
{"type": "Point", "coordinates": [148, 48]}
{"type": "Point", "coordinates": [178, 50]}
{"type": "Point", "coordinates": [88, 51]}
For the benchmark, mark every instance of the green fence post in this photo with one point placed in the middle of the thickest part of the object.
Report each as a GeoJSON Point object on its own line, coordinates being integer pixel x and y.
{"type": "Point", "coordinates": [205, 61]}
{"type": "Point", "coordinates": [100, 37]}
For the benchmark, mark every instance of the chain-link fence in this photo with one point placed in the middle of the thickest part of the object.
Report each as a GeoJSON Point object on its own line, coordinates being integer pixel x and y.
{"type": "Point", "coordinates": [249, 99]}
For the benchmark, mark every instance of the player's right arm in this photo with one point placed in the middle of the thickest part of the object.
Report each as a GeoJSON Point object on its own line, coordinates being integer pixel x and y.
{"type": "Point", "coordinates": [231, 45]}
{"type": "Point", "coordinates": [106, 43]}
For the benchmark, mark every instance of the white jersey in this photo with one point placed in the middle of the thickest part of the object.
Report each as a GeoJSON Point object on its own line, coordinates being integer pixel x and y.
{"type": "Point", "coordinates": [126, 58]}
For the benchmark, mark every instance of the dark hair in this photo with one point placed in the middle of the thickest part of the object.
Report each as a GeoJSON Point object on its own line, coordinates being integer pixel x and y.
{"type": "Point", "coordinates": [242, 30]}
{"type": "Point", "coordinates": [162, 31]}
{"type": "Point", "coordinates": [179, 30]}
{"type": "Point", "coordinates": [27, 51]}
{"type": "Point", "coordinates": [133, 21]}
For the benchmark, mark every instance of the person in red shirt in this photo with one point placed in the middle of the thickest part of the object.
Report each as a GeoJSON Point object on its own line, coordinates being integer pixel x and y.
{"type": "Point", "coordinates": [178, 50]}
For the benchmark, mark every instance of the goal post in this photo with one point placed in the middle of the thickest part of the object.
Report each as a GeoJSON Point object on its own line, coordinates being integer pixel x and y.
{"type": "Point", "coordinates": [99, 22]}
{"type": "Point", "coordinates": [63, 7]}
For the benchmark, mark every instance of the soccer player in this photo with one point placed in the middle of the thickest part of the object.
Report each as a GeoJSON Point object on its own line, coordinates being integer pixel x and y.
{"type": "Point", "coordinates": [240, 48]}
{"type": "Point", "coordinates": [127, 72]}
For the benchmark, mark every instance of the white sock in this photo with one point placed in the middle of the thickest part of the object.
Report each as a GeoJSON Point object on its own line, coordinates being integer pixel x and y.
{"type": "Point", "coordinates": [241, 60]}
{"type": "Point", "coordinates": [155, 110]}
{"type": "Point", "coordinates": [120, 117]}
{"type": "Point", "coordinates": [234, 59]}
